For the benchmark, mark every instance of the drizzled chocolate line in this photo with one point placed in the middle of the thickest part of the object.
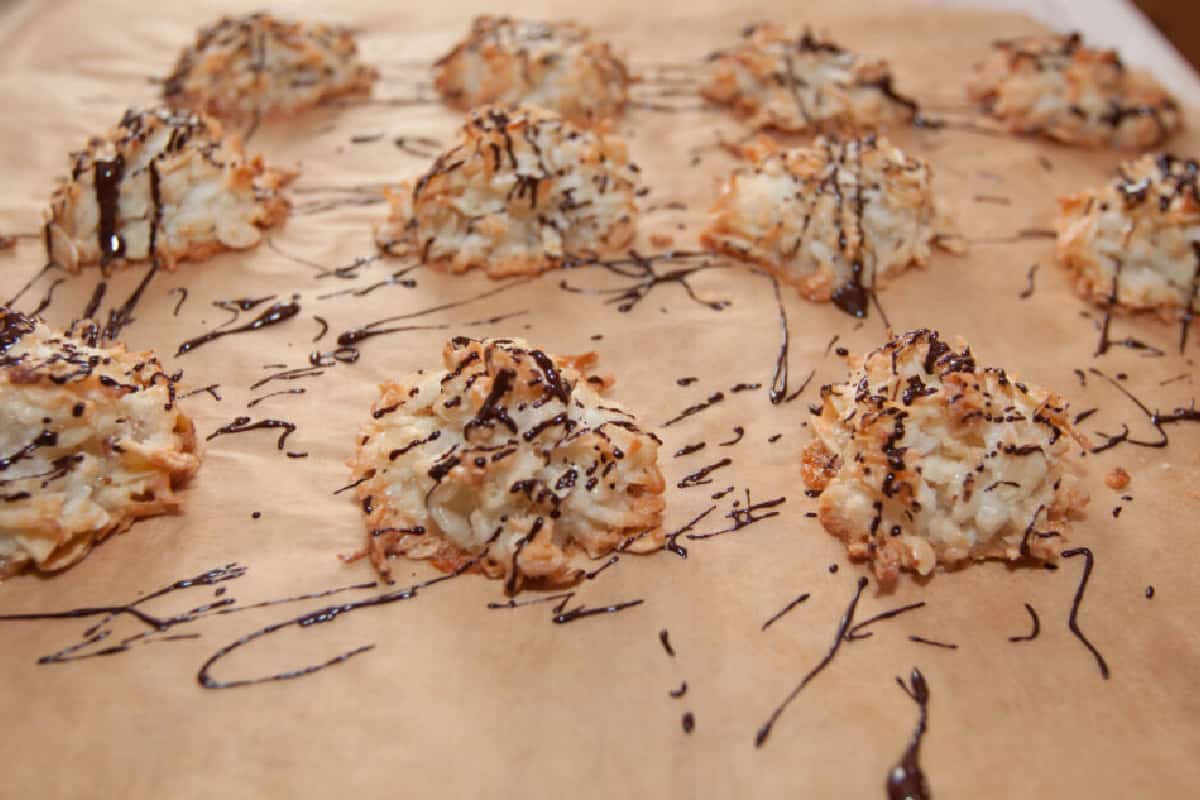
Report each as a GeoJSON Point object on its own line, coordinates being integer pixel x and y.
{"type": "Point", "coordinates": [781, 612]}
{"type": "Point", "coordinates": [583, 611]}
{"type": "Point", "coordinates": [121, 317]}
{"type": "Point", "coordinates": [687, 450]}
{"type": "Point", "coordinates": [855, 633]}
{"type": "Point", "coordinates": [307, 620]}
{"type": "Point", "coordinates": [210, 389]}
{"type": "Point", "coordinates": [560, 598]}
{"type": "Point", "coordinates": [906, 780]}
{"type": "Point", "coordinates": [1106, 341]}
{"type": "Point", "coordinates": [397, 278]}
{"type": "Point", "coordinates": [713, 399]}
{"type": "Point", "coordinates": [183, 296]}
{"type": "Point", "coordinates": [324, 328]}
{"type": "Point", "coordinates": [257, 400]}
{"type": "Point", "coordinates": [243, 424]}
{"type": "Point", "coordinates": [764, 730]}
{"type": "Point", "coordinates": [292, 374]}
{"type": "Point", "coordinates": [95, 634]}
{"type": "Point", "coordinates": [1037, 627]}
{"type": "Point", "coordinates": [237, 305]}
{"type": "Point", "coordinates": [779, 381]}
{"type": "Point", "coordinates": [1156, 418]}
{"type": "Point", "coordinates": [1073, 618]}
{"type": "Point", "coordinates": [29, 284]}
{"type": "Point", "coordinates": [346, 272]}
{"type": "Point", "coordinates": [743, 516]}
{"type": "Point", "coordinates": [665, 639]}
{"type": "Point", "coordinates": [273, 315]}
{"type": "Point", "coordinates": [1022, 235]}
{"type": "Point", "coordinates": [680, 692]}
{"type": "Point", "coordinates": [934, 643]}
{"type": "Point", "coordinates": [405, 145]}
{"type": "Point", "coordinates": [376, 328]}
{"type": "Point", "coordinates": [1027, 292]}
{"type": "Point", "coordinates": [670, 541]}
{"type": "Point", "coordinates": [642, 277]}
{"type": "Point", "coordinates": [738, 433]}
{"type": "Point", "coordinates": [700, 476]}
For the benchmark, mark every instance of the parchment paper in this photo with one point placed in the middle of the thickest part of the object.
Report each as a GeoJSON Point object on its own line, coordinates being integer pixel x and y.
{"type": "Point", "coordinates": [460, 700]}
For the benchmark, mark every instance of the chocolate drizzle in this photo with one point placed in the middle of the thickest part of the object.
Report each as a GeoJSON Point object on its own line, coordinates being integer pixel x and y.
{"type": "Point", "coordinates": [934, 643]}
{"type": "Point", "coordinates": [700, 476]}
{"type": "Point", "coordinates": [906, 781]}
{"type": "Point", "coordinates": [243, 424]}
{"type": "Point", "coordinates": [742, 516]}
{"type": "Point", "coordinates": [582, 611]}
{"type": "Point", "coordinates": [641, 278]}
{"type": "Point", "coordinates": [273, 315]}
{"type": "Point", "coordinates": [306, 621]}
{"type": "Point", "coordinates": [738, 433]}
{"type": "Point", "coordinates": [1027, 292]}
{"type": "Point", "coordinates": [712, 400]}
{"type": "Point", "coordinates": [764, 730]}
{"type": "Point", "coordinates": [1157, 419]}
{"type": "Point", "coordinates": [855, 633]}
{"type": "Point", "coordinates": [107, 176]}
{"type": "Point", "coordinates": [1073, 618]}
{"type": "Point", "coordinates": [1037, 627]}
{"type": "Point", "coordinates": [183, 296]}
{"type": "Point", "coordinates": [778, 614]}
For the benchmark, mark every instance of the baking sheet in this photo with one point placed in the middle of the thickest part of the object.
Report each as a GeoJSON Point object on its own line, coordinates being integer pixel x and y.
{"type": "Point", "coordinates": [457, 699]}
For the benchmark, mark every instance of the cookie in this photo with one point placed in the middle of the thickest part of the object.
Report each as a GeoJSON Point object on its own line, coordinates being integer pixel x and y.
{"type": "Point", "coordinates": [922, 457]}
{"type": "Point", "coordinates": [1055, 86]}
{"type": "Point", "coordinates": [258, 65]}
{"type": "Point", "coordinates": [162, 184]}
{"type": "Point", "coordinates": [803, 84]}
{"type": "Point", "coordinates": [835, 220]}
{"type": "Point", "coordinates": [1134, 244]}
{"type": "Point", "coordinates": [509, 460]}
{"type": "Point", "coordinates": [520, 192]}
{"type": "Point", "coordinates": [555, 65]}
{"type": "Point", "coordinates": [91, 440]}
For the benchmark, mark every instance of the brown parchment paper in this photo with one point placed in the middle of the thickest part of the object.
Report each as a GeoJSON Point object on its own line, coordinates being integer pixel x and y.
{"type": "Point", "coordinates": [458, 700]}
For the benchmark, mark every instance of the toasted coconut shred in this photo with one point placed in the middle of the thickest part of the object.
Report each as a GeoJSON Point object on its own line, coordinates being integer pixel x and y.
{"type": "Point", "coordinates": [162, 184]}
{"type": "Point", "coordinates": [520, 192]}
{"type": "Point", "coordinates": [509, 461]}
{"type": "Point", "coordinates": [91, 440]}
{"type": "Point", "coordinates": [1055, 86]}
{"type": "Point", "coordinates": [259, 65]}
{"type": "Point", "coordinates": [924, 458]}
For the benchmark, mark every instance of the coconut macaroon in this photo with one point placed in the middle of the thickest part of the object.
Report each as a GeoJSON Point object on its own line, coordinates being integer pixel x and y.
{"type": "Point", "coordinates": [803, 83]}
{"type": "Point", "coordinates": [90, 441]}
{"type": "Point", "coordinates": [507, 461]}
{"type": "Point", "coordinates": [165, 184]}
{"type": "Point", "coordinates": [518, 193]}
{"type": "Point", "coordinates": [922, 458]}
{"type": "Point", "coordinates": [555, 65]}
{"type": "Point", "coordinates": [1054, 86]}
{"type": "Point", "coordinates": [835, 220]}
{"type": "Point", "coordinates": [1135, 243]}
{"type": "Point", "coordinates": [258, 65]}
